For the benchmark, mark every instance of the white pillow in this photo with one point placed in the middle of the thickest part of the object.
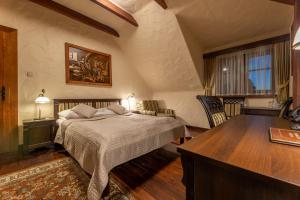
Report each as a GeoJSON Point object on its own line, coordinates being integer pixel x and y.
{"type": "Point", "coordinates": [84, 110]}
{"type": "Point", "coordinates": [103, 111]}
{"type": "Point", "coordinates": [68, 114]}
{"type": "Point", "coordinates": [118, 109]}
{"type": "Point", "coordinates": [73, 115]}
{"type": "Point", "coordinates": [63, 113]}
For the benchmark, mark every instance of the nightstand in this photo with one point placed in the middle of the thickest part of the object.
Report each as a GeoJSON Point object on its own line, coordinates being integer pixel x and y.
{"type": "Point", "coordinates": [38, 133]}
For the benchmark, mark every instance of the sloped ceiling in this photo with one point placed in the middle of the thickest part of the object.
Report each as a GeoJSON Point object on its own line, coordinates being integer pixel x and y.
{"type": "Point", "coordinates": [92, 10]}
{"type": "Point", "coordinates": [131, 6]}
{"type": "Point", "coordinates": [166, 49]}
{"type": "Point", "coordinates": [217, 23]}
{"type": "Point", "coordinates": [159, 52]}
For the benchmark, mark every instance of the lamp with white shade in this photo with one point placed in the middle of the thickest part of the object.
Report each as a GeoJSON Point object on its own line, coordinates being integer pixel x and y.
{"type": "Point", "coordinates": [41, 99]}
{"type": "Point", "coordinates": [296, 43]}
{"type": "Point", "coordinates": [130, 102]}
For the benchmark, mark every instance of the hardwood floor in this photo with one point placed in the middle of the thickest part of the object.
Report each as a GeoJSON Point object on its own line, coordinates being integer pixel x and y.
{"type": "Point", "coordinates": [154, 176]}
{"type": "Point", "coordinates": [13, 162]}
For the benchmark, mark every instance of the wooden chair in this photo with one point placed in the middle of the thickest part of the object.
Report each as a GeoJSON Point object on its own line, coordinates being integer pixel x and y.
{"type": "Point", "coordinates": [233, 105]}
{"type": "Point", "coordinates": [285, 110]}
{"type": "Point", "coordinates": [214, 110]}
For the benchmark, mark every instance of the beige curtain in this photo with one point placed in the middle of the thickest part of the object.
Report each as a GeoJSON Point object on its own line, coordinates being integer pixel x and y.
{"type": "Point", "coordinates": [282, 64]}
{"type": "Point", "coordinates": [230, 74]}
{"type": "Point", "coordinates": [209, 75]}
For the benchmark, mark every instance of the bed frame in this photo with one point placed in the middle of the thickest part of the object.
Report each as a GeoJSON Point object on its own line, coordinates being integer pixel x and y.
{"type": "Point", "coordinates": [64, 104]}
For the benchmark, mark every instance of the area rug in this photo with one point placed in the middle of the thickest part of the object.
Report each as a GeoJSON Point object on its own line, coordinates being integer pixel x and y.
{"type": "Point", "coordinates": [55, 180]}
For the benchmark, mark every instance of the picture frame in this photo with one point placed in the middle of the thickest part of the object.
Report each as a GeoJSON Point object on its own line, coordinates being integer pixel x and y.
{"type": "Point", "coordinates": [87, 67]}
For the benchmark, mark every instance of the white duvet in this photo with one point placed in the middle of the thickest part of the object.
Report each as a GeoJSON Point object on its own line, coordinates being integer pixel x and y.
{"type": "Point", "coordinates": [102, 143]}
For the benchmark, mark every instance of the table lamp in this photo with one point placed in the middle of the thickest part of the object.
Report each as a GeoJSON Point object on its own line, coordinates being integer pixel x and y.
{"type": "Point", "coordinates": [130, 102]}
{"type": "Point", "coordinates": [41, 99]}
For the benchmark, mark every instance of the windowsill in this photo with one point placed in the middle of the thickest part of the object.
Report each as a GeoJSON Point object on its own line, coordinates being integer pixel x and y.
{"type": "Point", "coordinates": [248, 96]}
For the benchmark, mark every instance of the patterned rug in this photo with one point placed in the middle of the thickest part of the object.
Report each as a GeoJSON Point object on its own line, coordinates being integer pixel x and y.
{"type": "Point", "coordinates": [55, 180]}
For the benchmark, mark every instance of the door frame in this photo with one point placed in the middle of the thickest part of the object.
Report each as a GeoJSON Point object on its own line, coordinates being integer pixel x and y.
{"type": "Point", "coordinates": [10, 81]}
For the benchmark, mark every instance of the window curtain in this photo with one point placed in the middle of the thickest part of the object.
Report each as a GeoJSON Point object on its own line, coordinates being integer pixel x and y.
{"type": "Point", "coordinates": [230, 78]}
{"type": "Point", "coordinates": [260, 71]}
{"type": "Point", "coordinates": [258, 64]}
{"type": "Point", "coordinates": [209, 75]}
{"type": "Point", "coordinates": [281, 59]}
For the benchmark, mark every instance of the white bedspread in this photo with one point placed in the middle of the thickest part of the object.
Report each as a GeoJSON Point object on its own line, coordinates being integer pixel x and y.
{"type": "Point", "coordinates": [102, 143]}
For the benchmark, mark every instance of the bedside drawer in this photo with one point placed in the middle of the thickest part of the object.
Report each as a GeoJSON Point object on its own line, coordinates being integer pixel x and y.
{"type": "Point", "coordinates": [38, 134]}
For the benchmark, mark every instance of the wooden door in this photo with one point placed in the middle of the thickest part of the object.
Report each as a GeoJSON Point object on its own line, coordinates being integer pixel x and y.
{"type": "Point", "coordinates": [8, 90]}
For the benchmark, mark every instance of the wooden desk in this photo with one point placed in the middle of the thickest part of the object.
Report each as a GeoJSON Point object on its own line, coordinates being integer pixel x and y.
{"type": "Point", "coordinates": [237, 161]}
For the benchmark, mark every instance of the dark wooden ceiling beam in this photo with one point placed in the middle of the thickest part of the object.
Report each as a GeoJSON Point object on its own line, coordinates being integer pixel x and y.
{"type": "Point", "coordinates": [289, 2]}
{"type": "Point", "coordinates": [111, 7]}
{"type": "Point", "coordinates": [162, 3]}
{"type": "Point", "coordinates": [76, 16]}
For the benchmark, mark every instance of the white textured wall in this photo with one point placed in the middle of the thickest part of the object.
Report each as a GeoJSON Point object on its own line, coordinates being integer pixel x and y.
{"type": "Point", "coordinates": [158, 50]}
{"type": "Point", "coordinates": [194, 47]}
{"type": "Point", "coordinates": [259, 102]}
{"type": "Point", "coordinates": [187, 107]}
{"type": "Point", "coordinates": [41, 36]}
{"type": "Point", "coordinates": [169, 58]}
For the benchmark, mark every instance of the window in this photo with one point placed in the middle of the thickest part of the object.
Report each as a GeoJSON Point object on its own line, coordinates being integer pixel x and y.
{"type": "Point", "coordinates": [245, 73]}
{"type": "Point", "coordinates": [259, 74]}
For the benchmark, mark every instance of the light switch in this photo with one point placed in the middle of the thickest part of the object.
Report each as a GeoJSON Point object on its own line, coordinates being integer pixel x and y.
{"type": "Point", "coordinates": [29, 74]}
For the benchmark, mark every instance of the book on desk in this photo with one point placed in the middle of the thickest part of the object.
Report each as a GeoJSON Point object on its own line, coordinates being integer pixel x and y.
{"type": "Point", "coordinates": [285, 136]}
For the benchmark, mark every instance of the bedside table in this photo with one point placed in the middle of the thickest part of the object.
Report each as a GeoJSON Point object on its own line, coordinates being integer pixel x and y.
{"type": "Point", "coordinates": [38, 133]}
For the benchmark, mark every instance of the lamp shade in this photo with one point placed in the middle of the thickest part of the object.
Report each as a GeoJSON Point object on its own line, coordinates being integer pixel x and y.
{"type": "Point", "coordinates": [42, 100]}
{"type": "Point", "coordinates": [296, 43]}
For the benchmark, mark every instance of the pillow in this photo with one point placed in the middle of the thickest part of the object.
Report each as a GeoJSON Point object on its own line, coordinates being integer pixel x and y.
{"type": "Point", "coordinates": [84, 110]}
{"type": "Point", "coordinates": [118, 109]}
{"type": "Point", "coordinates": [73, 115]}
{"type": "Point", "coordinates": [103, 111]}
{"type": "Point", "coordinates": [64, 113]}
{"type": "Point", "coordinates": [68, 114]}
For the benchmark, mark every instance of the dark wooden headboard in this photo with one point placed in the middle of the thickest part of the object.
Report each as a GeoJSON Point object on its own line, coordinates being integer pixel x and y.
{"type": "Point", "coordinates": [65, 104]}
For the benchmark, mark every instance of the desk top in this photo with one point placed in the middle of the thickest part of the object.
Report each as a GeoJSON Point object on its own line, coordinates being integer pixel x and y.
{"type": "Point", "coordinates": [243, 144]}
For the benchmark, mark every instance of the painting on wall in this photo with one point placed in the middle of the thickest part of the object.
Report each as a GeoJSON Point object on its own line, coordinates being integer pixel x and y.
{"type": "Point", "coordinates": [87, 67]}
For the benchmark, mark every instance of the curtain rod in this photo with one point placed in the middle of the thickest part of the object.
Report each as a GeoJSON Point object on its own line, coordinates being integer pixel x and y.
{"type": "Point", "coordinates": [277, 39]}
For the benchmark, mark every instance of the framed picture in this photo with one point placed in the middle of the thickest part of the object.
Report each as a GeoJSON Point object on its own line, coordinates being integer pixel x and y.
{"type": "Point", "coordinates": [87, 67]}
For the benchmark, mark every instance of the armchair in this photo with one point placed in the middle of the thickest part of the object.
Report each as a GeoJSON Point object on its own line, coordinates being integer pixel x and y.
{"type": "Point", "coordinates": [151, 107]}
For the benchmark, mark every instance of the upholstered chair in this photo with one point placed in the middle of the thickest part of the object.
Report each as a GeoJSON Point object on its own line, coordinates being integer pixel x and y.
{"type": "Point", "coordinates": [151, 107]}
{"type": "Point", "coordinates": [214, 109]}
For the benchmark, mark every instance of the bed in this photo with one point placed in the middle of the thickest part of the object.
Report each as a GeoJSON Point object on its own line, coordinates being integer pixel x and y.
{"type": "Point", "coordinates": [101, 143]}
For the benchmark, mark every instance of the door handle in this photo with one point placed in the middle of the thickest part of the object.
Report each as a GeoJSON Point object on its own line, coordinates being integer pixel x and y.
{"type": "Point", "coordinates": [2, 93]}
